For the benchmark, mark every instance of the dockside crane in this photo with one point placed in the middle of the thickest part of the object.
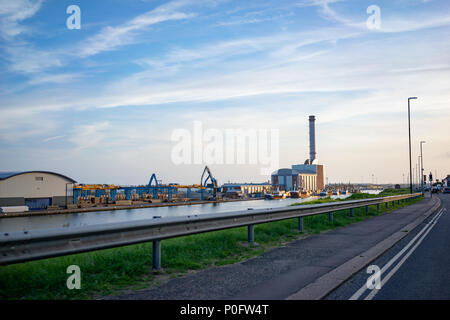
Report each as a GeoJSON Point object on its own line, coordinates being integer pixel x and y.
{"type": "Point", "coordinates": [153, 178]}
{"type": "Point", "coordinates": [213, 182]}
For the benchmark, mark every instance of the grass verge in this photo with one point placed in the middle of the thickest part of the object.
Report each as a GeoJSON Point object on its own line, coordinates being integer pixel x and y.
{"type": "Point", "coordinates": [110, 271]}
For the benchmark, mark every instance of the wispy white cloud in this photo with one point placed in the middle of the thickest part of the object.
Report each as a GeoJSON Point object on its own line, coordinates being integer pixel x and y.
{"type": "Point", "coordinates": [110, 38]}
{"type": "Point", "coordinates": [390, 23]}
{"type": "Point", "coordinates": [61, 78]}
{"type": "Point", "coordinates": [280, 46]}
{"type": "Point", "coordinates": [12, 13]}
{"type": "Point", "coordinates": [415, 23]}
{"type": "Point", "coordinates": [53, 138]}
{"type": "Point", "coordinates": [23, 58]}
{"type": "Point", "coordinates": [89, 135]}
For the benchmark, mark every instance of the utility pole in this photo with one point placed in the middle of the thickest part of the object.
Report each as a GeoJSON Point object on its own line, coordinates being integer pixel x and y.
{"type": "Point", "coordinates": [409, 132]}
{"type": "Point", "coordinates": [421, 165]}
{"type": "Point", "coordinates": [418, 170]}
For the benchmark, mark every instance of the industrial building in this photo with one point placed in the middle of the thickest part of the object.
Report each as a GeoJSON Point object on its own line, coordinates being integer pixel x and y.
{"type": "Point", "coordinates": [309, 177]}
{"type": "Point", "coordinates": [35, 189]}
{"type": "Point", "coordinates": [291, 179]}
{"type": "Point", "coordinates": [239, 189]}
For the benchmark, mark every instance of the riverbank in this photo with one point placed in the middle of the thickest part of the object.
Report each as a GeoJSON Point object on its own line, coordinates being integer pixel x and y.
{"type": "Point", "coordinates": [112, 207]}
{"type": "Point", "coordinates": [112, 271]}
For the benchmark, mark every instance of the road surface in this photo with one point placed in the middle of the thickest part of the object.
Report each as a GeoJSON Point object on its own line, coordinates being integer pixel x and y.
{"type": "Point", "coordinates": [416, 268]}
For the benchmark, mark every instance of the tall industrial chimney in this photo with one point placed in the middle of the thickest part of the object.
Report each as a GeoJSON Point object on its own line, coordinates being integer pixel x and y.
{"type": "Point", "coordinates": [312, 139]}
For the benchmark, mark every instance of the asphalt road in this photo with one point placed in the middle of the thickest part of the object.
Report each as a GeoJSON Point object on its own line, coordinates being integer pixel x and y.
{"type": "Point", "coordinates": [416, 268]}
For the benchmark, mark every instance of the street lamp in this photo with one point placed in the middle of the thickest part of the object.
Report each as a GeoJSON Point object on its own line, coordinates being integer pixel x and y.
{"type": "Point", "coordinates": [418, 171]}
{"type": "Point", "coordinates": [421, 165]}
{"type": "Point", "coordinates": [409, 131]}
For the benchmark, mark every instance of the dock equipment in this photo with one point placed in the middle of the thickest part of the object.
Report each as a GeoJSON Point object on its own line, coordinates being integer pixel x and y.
{"type": "Point", "coordinates": [154, 187]}
{"type": "Point", "coordinates": [213, 182]}
{"type": "Point", "coordinates": [90, 190]}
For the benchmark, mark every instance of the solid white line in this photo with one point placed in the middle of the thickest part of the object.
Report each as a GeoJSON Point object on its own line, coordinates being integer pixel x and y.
{"type": "Point", "coordinates": [361, 290]}
{"type": "Point", "coordinates": [400, 263]}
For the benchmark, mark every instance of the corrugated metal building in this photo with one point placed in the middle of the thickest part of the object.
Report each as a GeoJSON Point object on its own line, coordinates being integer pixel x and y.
{"type": "Point", "coordinates": [35, 189]}
{"type": "Point", "coordinates": [246, 188]}
{"type": "Point", "coordinates": [291, 179]}
{"type": "Point", "coordinates": [303, 177]}
{"type": "Point", "coordinates": [316, 169]}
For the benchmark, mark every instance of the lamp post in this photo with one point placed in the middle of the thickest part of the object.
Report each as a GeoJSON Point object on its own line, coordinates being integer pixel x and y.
{"type": "Point", "coordinates": [418, 171]}
{"type": "Point", "coordinates": [409, 131]}
{"type": "Point", "coordinates": [421, 165]}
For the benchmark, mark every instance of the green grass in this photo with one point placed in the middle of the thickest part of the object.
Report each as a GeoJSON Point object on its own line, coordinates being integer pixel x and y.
{"type": "Point", "coordinates": [109, 271]}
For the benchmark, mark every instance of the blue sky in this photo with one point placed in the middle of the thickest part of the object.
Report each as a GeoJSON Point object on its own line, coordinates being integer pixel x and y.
{"type": "Point", "coordinates": [100, 103]}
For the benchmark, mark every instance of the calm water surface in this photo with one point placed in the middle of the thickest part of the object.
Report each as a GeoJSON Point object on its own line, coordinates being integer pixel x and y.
{"type": "Point", "coordinates": [105, 217]}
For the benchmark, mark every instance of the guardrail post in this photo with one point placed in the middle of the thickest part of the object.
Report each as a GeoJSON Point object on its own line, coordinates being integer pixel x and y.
{"type": "Point", "coordinates": [330, 217]}
{"type": "Point", "coordinates": [393, 204]}
{"type": "Point", "coordinates": [251, 233]}
{"type": "Point", "coordinates": [398, 202]}
{"type": "Point", "coordinates": [352, 212]}
{"type": "Point", "coordinates": [156, 259]}
{"type": "Point", "coordinates": [367, 209]}
{"type": "Point", "coordinates": [300, 224]}
{"type": "Point", "coordinates": [378, 207]}
{"type": "Point", "coordinates": [387, 205]}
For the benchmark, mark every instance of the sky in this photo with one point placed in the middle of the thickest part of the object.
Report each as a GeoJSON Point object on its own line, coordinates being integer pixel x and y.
{"type": "Point", "coordinates": [101, 103]}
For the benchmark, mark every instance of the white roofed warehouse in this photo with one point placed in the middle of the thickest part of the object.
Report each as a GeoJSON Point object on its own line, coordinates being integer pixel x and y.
{"type": "Point", "coordinates": [35, 189]}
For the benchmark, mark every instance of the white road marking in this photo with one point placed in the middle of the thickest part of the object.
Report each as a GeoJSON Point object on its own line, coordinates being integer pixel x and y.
{"type": "Point", "coordinates": [361, 290]}
{"type": "Point", "coordinates": [400, 263]}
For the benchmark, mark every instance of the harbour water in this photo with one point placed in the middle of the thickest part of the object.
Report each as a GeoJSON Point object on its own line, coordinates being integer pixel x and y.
{"type": "Point", "coordinates": [114, 216]}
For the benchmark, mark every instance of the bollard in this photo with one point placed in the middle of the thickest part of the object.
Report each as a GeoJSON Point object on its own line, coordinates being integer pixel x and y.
{"type": "Point", "coordinates": [156, 259]}
{"type": "Point", "coordinates": [300, 224]}
{"type": "Point", "coordinates": [352, 212]}
{"type": "Point", "coordinates": [378, 207]}
{"type": "Point", "coordinates": [251, 233]}
{"type": "Point", "coordinates": [330, 217]}
{"type": "Point", "coordinates": [367, 209]}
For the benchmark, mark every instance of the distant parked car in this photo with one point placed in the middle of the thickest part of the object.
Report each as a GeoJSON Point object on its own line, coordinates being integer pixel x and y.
{"type": "Point", "coordinates": [446, 190]}
{"type": "Point", "coordinates": [435, 190]}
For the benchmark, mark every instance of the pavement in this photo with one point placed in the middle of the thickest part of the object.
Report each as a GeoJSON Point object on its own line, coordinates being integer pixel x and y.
{"type": "Point", "coordinates": [308, 268]}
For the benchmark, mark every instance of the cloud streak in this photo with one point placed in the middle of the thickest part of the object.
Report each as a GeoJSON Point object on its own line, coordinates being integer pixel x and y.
{"type": "Point", "coordinates": [111, 38]}
{"type": "Point", "coordinates": [12, 13]}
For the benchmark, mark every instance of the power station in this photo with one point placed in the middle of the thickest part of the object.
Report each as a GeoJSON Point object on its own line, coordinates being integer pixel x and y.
{"type": "Point", "coordinates": [308, 177]}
